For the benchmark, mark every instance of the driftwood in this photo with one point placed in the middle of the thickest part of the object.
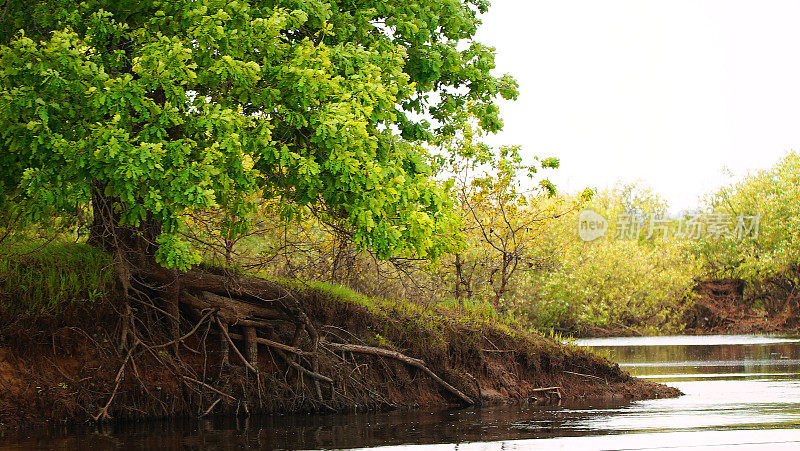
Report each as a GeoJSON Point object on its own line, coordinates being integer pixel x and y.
{"type": "Point", "coordinates": [549, 390]}
{"type": "Point", "coordinates": [251, 313]}
{"type": "Point", "coordinates": [254, 323]}
{"type": "Point", "coordinates": [250, 290]}
{"type": "Point", "coordinates": [417, 363]}
{"type": "Point", "coordinates": [233, 309]}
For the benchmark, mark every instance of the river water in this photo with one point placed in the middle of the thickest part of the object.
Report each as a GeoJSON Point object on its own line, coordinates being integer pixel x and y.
{"type": "Point", "coordinates": [741, 392]}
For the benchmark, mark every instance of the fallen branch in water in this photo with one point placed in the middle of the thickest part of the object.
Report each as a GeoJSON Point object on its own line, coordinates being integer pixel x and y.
{"type": "Point", "coordinates": [211, 407]}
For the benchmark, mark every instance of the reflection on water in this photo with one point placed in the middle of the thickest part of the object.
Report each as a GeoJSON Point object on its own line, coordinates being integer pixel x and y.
{"type": "Point", "coordinates": [648, 356]}
{"type": "Point", "coordinates": [688, 340]}
{"type": "Point", "coordinates": [741, 392]}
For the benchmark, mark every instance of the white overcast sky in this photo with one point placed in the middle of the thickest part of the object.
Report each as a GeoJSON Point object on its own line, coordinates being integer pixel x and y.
{"type": "Point", "coordinates": [667, 92]}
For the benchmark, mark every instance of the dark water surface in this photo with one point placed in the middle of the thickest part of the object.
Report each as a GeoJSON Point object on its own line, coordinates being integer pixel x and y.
{"type": "Point", "coordinates": [742, 392]}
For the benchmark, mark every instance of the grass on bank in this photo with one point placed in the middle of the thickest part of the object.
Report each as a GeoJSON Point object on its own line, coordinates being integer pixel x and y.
{"type": "Point", "coordinates": [46, 279]}
{"type": "Point", "coordinates": [41, 278]}
{"type": "Point", "coordinates": [468, 312]}
{"type": "Point", "coordinates": [38, 278]}
{"type": "Point", "coordinates": [435, 331]}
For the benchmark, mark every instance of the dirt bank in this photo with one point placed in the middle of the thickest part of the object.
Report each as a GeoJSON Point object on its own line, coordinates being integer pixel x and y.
{"type": "Point", "coordinates": [724, 306]}
{"type": "Point", "coordinates": [70, 367]}
{"type": "Point", "coordinates": [728, 306]}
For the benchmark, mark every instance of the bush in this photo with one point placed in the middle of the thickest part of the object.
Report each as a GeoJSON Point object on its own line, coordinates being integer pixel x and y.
{"type": "Point", "coordinates": [644, 283]}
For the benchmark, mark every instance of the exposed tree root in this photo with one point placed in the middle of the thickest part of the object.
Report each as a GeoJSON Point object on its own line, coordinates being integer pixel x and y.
{"type": "Point", "coordinates": [209, 387]}
{"type": "Point", "coordinates": [78, 373]}
{"type": "Point", "coordinates": [275, 344]}
{"type": "Point", "coordinates": [551, 393]}
{"type": "Point", "coordinates": [303, 370]}
{"type": "Point", "coordinates": [251, 312]}
{"type": "Point", "coordinates": [183, 327]}
{"type": "Point", "coordinates": [224, 331]}
{"type": "Point", "coordinates": [103, 413]}
{"type": "Point", "coordinates": [403, 358]}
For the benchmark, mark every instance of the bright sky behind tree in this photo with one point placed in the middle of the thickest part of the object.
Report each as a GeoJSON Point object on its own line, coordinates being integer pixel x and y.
{"type": "Point", "coordinates": [667, 92]}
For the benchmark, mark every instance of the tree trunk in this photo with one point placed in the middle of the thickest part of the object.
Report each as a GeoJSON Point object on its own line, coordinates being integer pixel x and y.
{"type": "Point", "coordinates": [172, 294]}
{"type": "Point", "coordinates": [131, 245]}
{"type": "Point", "coordinates": [458, 276]}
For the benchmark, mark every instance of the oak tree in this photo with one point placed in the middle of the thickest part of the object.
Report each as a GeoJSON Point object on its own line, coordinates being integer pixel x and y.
{"type": "Point", "coordinates": [147, 110]}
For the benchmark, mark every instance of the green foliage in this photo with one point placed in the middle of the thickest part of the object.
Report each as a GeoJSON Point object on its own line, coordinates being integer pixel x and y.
{"type": "Point", "coordinates": [494, 196]}
{"type": "Point", "coordinates": [47, 278]}
{"type": "Point", "coordinates": [612, 283]}
{"type": "Point", "coordinates": [187, 105]}
{"type": "Point", "coordinates": [772, 194]}
{"type": "Point", "coordinates": [609, 284]}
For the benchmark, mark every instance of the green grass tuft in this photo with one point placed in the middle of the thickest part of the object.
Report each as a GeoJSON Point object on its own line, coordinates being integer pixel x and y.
{"type": "Point", "coordinates": [54, 276]}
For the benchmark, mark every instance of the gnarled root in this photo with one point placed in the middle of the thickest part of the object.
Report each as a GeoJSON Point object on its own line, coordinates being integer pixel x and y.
{"type": "Point", "coordinates": [417, 363]}
{"type": "Point", "coordinates": [261, 317]}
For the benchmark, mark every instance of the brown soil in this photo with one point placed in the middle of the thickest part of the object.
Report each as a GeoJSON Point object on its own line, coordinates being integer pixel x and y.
{"type": "Point", "coordinates": [723, 306]}
{"type": "Point", "coordinates": [726, 306]}
{"type": "Point", "coordinates": [66, 367]}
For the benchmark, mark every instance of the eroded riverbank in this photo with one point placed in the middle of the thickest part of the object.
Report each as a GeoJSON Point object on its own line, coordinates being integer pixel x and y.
{"type": "Point", "coordinates": [741, 391]}
{"type": "Point", "coordinates": [68, 367]}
